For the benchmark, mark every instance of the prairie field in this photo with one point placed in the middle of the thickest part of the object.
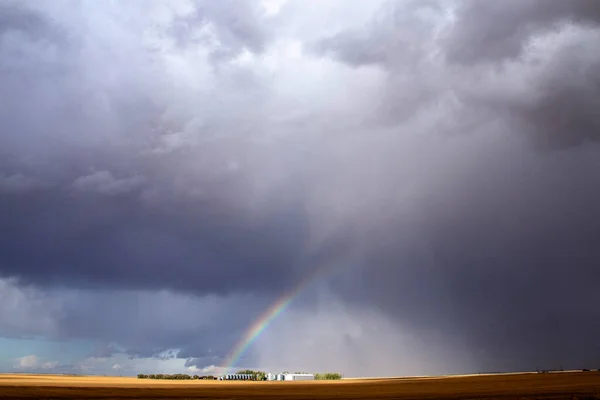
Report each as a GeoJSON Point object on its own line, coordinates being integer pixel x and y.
{"type": "Point", "coordinates": [565, 385]}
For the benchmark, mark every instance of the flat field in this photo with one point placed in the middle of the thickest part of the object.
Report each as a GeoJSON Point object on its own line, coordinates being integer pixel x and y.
{"type": "Point", "coordinates": [564, 385]}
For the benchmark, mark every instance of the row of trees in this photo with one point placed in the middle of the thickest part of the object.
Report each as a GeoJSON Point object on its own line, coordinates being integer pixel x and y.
{"type": "Point", "coordinates": [328, 376]}
{"type": "Point", "coordinates": [260, 375]}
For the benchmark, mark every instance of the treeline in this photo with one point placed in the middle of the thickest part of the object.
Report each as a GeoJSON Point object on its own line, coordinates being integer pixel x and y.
{"type": "Point", "coordinates": [328, 376]}
{"type": "Point", "coordinates": [181, 377]}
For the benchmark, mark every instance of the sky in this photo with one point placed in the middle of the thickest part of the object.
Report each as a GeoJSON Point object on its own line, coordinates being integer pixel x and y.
{"type": "Point", "coordinates": [170, 169]}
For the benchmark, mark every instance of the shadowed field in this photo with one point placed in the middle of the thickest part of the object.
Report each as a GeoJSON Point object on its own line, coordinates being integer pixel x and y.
{"type": "Point", "coordinates": [567, 385]}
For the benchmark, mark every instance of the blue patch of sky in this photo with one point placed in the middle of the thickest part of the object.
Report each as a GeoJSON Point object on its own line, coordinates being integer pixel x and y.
{"type": "Point", "coordinates": [64, 352]}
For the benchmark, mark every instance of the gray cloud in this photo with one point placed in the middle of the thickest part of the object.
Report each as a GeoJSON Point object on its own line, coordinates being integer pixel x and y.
{"type": "Point", "coordinates": [25, 311]}
{"type": "Point", "coordinates": [496, 232]}
{"type": "Point", "coordinates": [227, 27]}
{"type": "Point", "coordinates": [104, 182]}
{"type": "Point", "coordinates": [114, 241]}
{"type": "Point", "coordinates": [16, 183]}
{"type": "Point", "coordinates": [496, 32]}
{"type": "Point", "coordinates": [562, 112]}
{"type": "Point", "coordinates": [447, 170]}
{"type": "Point", "coordinates": [399, 34]}
{"type": "Point", "coordinates": [104, 350]}
{"type": "Point", "coordinates": [16, 18]}
{"type": "Point", "coordinates": [547, 85]}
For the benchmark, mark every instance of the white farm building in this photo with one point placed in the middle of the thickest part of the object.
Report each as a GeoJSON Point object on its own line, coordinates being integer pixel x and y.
{"type": "Point", "coordinates": [299, 377]}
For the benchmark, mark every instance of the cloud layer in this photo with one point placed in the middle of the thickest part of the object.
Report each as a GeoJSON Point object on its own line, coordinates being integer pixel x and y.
{"type": "Point", "coordinates": [442, 154]}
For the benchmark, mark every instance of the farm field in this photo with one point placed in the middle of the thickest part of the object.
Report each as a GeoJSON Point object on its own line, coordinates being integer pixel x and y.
{"type": "Point", "coordinates": [565, 385]}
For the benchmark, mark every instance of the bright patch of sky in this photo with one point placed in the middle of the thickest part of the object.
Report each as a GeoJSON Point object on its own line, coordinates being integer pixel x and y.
{"type": "Point", "coordinates": [63, 352]}
{"type": "Point", "coordinates": [272, 7]}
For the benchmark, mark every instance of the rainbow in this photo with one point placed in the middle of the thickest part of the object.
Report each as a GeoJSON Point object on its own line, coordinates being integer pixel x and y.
{"type": "Point", "coordinates": [262, 322]}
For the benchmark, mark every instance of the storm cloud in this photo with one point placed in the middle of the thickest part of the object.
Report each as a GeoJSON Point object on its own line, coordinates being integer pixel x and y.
{"type": "Point", "coordinates": [203, 158]}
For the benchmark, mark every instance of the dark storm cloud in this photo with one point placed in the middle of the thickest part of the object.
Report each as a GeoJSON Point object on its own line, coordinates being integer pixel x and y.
{"type": "Point", "coordinates": [564, 112]}
{"type": "Point", "coordinates": [426, 184]}
{"type": "Point", "coordinates": [506, 259]}
{"type": "Point", "coordinates": [492, 32]}
{"type": "Point", "coordinates": [89, 225]}
{"type": "Point", "coordinates": [96, 241]}
{"type": "Point", "coordinates": [502, 250]}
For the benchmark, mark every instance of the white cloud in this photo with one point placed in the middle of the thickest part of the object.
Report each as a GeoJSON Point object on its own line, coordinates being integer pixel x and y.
{"type": "Point", "coordinates": [210, 369]}
{"type": "Point", "coordinates": [272, 7]}
{"type": "Point", "coordinates": [30, 361]}
{"type": "Point", "coordinates": [33, 362]}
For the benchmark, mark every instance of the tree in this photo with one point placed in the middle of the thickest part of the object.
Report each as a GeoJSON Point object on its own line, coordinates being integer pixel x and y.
{"type": "Point", "coordinates": [328, 376]}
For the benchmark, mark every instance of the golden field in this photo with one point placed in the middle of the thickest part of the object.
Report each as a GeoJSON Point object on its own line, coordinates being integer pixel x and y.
{"type": "Point", "coordinates": [564, 385]}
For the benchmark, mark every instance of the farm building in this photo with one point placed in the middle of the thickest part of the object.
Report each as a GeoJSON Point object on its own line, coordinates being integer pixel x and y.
{"type": "Point", "coordinates": [299, 377]}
